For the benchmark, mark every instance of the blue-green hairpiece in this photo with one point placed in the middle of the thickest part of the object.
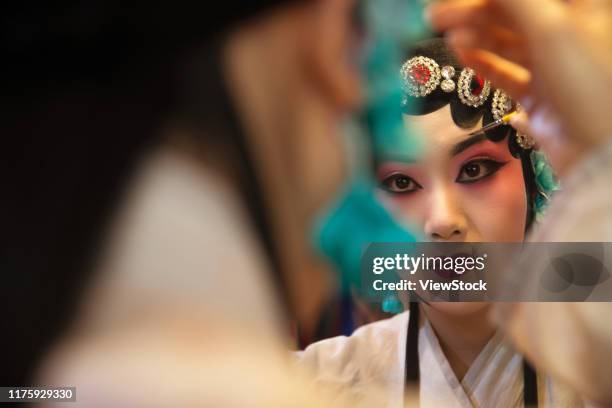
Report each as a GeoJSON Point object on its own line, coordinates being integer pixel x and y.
{"type": "Point", "coordinates": [546, 183]}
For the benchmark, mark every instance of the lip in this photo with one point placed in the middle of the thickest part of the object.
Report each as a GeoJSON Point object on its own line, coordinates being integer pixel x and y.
{"type": "Point", "coordinates": [451, 274]}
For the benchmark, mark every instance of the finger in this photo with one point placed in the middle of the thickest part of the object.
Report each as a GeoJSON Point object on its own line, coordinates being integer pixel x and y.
{"type": "Point", "coordinates": [514, 79]}
{"type": "Point", "coordinates": [531, 17]}
{"type": "Point", "coordinates": [549, 132]}
{"type": "Point", "coordinates": [520, 122]}
{"type": "Point", "coordinates": [445, 15]}
{"type": "Point", "coordinates": [491, 38]}
{"type": "Point", "coordinates": [527, 17]}
{"type": "Point", "coordinates": [591, 3]}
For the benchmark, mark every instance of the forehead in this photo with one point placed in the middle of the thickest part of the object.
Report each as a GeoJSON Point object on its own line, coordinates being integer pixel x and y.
{"type": "Point", "coordinates": [437, 131]}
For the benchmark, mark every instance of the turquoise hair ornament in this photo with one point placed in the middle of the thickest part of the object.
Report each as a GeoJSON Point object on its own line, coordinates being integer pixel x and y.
{"type": "Point", "coordinates": [546, 183]}
{"type": "Point", "coordinates": [354, 221]}
{"type": "Point", "coordinates": [391, 304]}
{"type": "Point", "coordinates": [393, 26]}
{"type": "Point", "coordinates": [357, 218]}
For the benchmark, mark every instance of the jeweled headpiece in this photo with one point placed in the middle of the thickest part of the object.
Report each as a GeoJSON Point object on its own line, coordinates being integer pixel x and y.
{"type": "Point", "coordinates": [422, 75]}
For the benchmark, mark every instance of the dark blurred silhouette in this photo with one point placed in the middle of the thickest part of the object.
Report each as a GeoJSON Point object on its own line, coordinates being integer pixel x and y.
{"type": "Point", "coordinates": [85, 88]}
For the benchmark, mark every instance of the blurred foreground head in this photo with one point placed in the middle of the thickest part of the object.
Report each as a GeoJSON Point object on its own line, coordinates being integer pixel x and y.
{"type": "Point", "coordinates": [251, 92]}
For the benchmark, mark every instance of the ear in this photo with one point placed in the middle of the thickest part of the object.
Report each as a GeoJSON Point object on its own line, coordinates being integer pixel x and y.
{"type": "Point", "coordinates": [331, 45]}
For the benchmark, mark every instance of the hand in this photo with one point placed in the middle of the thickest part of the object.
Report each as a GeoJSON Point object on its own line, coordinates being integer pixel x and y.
{"type": "Point", "coordinates": [553, 56]}
{"type": "Point", "coordinates": [544, 125]}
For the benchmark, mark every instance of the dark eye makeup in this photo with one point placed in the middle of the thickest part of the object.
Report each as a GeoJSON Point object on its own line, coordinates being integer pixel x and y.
{"type": "Point", "coordinates": [472, 172]}
{"type": "Point", "coordinates": [477, 170]}
{"type": "Point", "coordinates": [398, 183]}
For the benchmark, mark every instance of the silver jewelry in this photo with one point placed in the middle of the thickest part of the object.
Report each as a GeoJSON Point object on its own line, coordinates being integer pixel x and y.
{"type": "Point", "coordinates": [420, 76]}
{"type": "Point", "coordinates": [466, 94]}
{"type": "Point", "coordinates": [448, 73]}
{"type": "Point", "coordinates": [525, 141]}
{"type": "Point", "coordinates": [501, 104]}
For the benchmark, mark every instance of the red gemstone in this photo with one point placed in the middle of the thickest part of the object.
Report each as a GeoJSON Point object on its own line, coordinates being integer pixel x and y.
{"type": "Point", "coordinates": [420, 74]}
{"type": "Point", "coordinates": [477, 85]}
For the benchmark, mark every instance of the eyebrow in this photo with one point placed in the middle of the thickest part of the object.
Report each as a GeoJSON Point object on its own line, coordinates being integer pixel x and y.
{"type": "Point", "coordinates": [405, 158]}
{"type": "Point", "coordinates": [467, 143]}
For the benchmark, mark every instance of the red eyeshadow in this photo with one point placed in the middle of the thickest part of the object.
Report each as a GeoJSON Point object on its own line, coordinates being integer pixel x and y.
{"type": "Point", "coordinates": [496, 151]}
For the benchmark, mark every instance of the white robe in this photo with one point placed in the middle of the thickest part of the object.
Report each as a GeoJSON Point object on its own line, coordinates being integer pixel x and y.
{"type": "Point", "coordinates": [374, 357]}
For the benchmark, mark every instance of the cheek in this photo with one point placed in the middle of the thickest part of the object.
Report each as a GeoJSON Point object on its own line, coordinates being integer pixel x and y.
{"type": "Point", "coordinates": [408, 209]}
{"type": "Point", "coordinates": [497, 206]}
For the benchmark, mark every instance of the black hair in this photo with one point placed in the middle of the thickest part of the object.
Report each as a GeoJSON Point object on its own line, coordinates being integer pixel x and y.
{"type": "Point", "coordinates": [465, 116]}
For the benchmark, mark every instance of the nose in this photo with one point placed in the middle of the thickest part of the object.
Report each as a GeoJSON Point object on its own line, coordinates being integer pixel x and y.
{"type": "Point", "coordinates": [445, 219]}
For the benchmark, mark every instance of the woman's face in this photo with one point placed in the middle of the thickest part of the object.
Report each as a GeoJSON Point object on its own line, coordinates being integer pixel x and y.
{"type": "Point", "coordinates": [459, 188]}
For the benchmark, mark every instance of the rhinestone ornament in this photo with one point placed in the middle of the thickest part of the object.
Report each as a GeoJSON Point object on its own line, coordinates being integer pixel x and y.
{"type": "Point", "coordinates": [448, 73]}
{"type": "Point", "coordinates": [501, 104]}
{"type": "Point", "coordinates": [420, 76]}
{"type": "Point", "coordinates": [525, 141]}
{"type": "Point", "coordinates": [472, 90]}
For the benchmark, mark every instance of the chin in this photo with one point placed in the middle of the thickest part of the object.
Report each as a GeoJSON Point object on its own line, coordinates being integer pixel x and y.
{"type": "Point", "coordinates": [460, 308]}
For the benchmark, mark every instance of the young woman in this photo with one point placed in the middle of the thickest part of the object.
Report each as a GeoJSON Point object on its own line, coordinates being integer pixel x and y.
{"type": "Point", "coordinates": [459, 188]}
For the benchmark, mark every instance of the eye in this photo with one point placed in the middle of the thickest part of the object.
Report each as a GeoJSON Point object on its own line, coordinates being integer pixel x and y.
{"type": "Point", "coordinates": [399, 183]}
{"type": "Point", "coordinates": [477, 170]}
